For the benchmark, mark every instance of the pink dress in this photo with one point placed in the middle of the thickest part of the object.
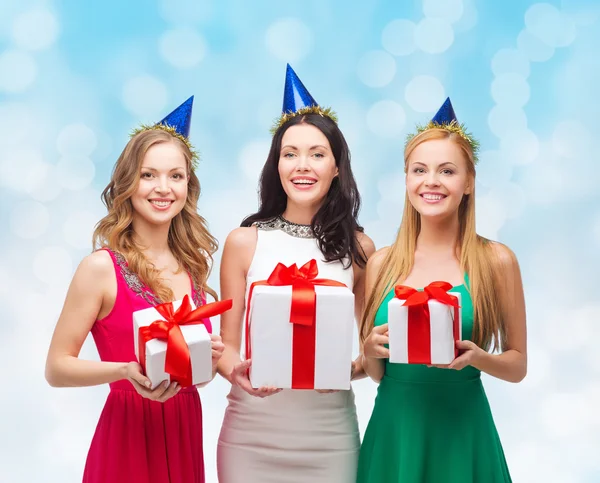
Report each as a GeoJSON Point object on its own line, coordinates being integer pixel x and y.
{"type": "Point", "coordinates": [138, 440]}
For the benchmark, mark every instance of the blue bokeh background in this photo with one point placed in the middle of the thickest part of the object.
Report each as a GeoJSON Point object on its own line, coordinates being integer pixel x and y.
{"type": "Point", "coordinates": [76, 77]}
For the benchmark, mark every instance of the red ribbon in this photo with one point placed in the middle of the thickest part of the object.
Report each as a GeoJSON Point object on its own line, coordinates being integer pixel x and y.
{"type": "Point", "coordinates": [178, 363]}
{"type": "Point", "coordinates": [419, 328]}
{"type": "Point", "coordinates": [302, 314]}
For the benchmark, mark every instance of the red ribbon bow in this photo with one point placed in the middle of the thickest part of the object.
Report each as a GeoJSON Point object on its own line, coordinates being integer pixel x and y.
{"type": "Point", "coordinates": [178, 362]}
{"type": "Point", "coordinates": [302, 314]}
{"type": "Point", "coordinates": [419, 328]}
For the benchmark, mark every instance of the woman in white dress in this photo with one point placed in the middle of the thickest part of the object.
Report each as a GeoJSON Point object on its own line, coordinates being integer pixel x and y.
{"type": "Point", "coordinates": [308, 210]}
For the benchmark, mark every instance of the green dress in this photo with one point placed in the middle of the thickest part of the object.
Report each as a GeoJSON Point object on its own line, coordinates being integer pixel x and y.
{"type": "Point", "coordinates": [431, 425]}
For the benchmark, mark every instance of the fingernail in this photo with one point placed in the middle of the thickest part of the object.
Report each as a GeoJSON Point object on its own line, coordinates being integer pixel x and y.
{"type": "Point", "coordinates": [175, 385]}
{"type": "Point", "coordinates": [148, 384]}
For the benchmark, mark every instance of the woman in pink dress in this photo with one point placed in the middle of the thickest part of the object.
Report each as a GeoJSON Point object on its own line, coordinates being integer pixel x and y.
{"type": "Point", "coordinates": [154, 247]}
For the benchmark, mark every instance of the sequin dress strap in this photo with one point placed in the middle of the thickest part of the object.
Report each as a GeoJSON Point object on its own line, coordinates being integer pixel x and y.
{"type": "Point", "coordinates": [198, 295]}
{"type": "Point", "coordinates": [120, 280]}
{"type": "Point", "coordinates": [132, 280]}
{"type": "Point", "coordinates": [280, 223]}
{"type": "Point", "coordinates": [120, 296]}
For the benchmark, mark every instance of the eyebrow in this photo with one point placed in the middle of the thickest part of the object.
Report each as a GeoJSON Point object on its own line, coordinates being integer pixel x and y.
{"type": "Point", "coordinates": [443, 164]}
{"type": "Point", "coordinates": [170, 171]}
{"type": "Point", "coordinates": [312, 147]}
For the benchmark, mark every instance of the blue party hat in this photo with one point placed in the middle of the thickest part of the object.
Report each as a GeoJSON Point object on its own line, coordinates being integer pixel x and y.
{"type": "Point", "coordinates": [445, 114]}
{"type": "Point", "coordinates": [445, 118]}
{"type": "Point", "coordinates": [295, 95]}
{"type": "Point", "coordinates": [181, 118]}
{"type": "Point", "coordinates": [298, 101]}
{"type": "Point", "coordinates": [177, 123]}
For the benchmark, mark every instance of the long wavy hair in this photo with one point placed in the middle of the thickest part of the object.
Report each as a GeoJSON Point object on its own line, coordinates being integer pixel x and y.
{"type": "Point", "coordinates": [476, 257]}
{"type": "Point", "coordinates": [189, 239]}
{"type": "Point", "coordinates": [336, 222]}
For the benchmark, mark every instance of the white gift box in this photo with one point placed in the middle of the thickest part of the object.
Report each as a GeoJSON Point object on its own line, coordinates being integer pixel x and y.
{"type": "Point", "coordinates": [442, 341]}
{"type": "Point", "coordinates": [196, 337]}
{"type": "Point", "coordinates": [271, 337]}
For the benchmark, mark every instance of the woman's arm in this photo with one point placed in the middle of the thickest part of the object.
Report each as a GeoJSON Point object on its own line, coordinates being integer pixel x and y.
{"type": "Point", "coordinates": [373, 348]}
{"type": "Point", "coordinates": [511, 365]}
{"type": "Point", "coordinates": [92, 295]}
{"type": "Point", "coordinates": [235, 262]}
{"type": "Point", "coordinates": [217, 352]}
{"type": "Point", "coordinates": [86, 298]}
{"type": "Point", "coordinates": [368, 248]}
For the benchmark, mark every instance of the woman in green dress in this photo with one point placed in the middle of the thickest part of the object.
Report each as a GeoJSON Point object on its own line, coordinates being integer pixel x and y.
{"type": "Point", "coordinates": [434, 424]}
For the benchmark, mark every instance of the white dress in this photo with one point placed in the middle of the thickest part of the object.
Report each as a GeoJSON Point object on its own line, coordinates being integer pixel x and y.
{"type": "Point", "coordinates": [294, 436]}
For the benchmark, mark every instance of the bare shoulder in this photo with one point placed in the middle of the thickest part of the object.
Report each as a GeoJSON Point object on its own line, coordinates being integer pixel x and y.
{"type": "Point", "coordinates": [374, 265]}
{"type": "Point", "coordinates": [503, 257]}
{"type": "Point", "coordinates": [366, 243]}
{"type": "Point", "coordinates": [239, 249]}
{"type": "Point", "coordinates": [242, 238]}
{"type": "Point", "coordinates": [98, 264]}
{"type": "Point", "coordinates": [95, 274]}
{"type": "Point", "coordinates": [377, 258]}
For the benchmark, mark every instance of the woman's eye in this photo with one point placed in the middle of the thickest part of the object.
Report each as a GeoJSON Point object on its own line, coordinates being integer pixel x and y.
{"type": "Point", "coordinates": [288, 155]}
{"type": "Point", "coordinates": [319, 155]}
{"type": "Point", "coordinates": [448, 171]}
{"type": "Point", "coordinates": [147, 175]}
{"type": "Point", "coordinates": [178, 176]}
{"type": "Point", "coordinates": [418, 170]}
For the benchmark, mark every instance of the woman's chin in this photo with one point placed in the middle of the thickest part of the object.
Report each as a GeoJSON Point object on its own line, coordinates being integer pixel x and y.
{"type": "Point", "coordinates": [306, 199]}
{"type": "Point", "coordinates": [156, 219]}
{"type": "Point", "coordinates": [435, 213]}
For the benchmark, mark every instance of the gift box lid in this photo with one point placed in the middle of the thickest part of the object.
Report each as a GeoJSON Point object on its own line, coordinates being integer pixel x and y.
{"type": "Point", "coordinates": [287, 290]}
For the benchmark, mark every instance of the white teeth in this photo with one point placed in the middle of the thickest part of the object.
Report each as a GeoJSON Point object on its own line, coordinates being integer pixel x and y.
{"type": "Point", "coordinates": [431, 197]}
{"type": "Point", "coordinates": [161, 204]}
{"type": "Point", "coordinates": [303, 181]}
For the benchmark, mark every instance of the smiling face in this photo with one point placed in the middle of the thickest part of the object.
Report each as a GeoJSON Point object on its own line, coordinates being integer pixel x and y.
{"type": "Point", "coordinates": [306, 166]}
{"type": "Point", "coordinates": [163, 187]}
{"type": "Point", "coordinates": [437, 178]}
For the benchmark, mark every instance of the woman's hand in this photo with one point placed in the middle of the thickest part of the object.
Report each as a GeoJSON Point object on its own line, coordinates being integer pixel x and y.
{"type": "Point", "coordinates": [374, 345]}
{"type": "Point", "coordinates": [239, 376]}
{"type": "Point", "coordinates": [217, 351]}
{"type": "Point", "coordinates": [142, 385]}
{"type": "Point", "coordinates": [471, 355]}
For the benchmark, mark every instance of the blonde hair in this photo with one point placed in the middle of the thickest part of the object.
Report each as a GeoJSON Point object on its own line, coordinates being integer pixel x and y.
{"type": "Point", "coordinates": [189, 239]}
{"type": "Point", "coordinates": [476, 257]}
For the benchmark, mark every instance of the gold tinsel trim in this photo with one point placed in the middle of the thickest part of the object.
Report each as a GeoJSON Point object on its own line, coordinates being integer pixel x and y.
{"type": "Point", "coordinates": [286, 116]}
{"type": "Point", "coordinates": [173, 132]}
{"type": "Point", "coordinates": [453, 127]}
